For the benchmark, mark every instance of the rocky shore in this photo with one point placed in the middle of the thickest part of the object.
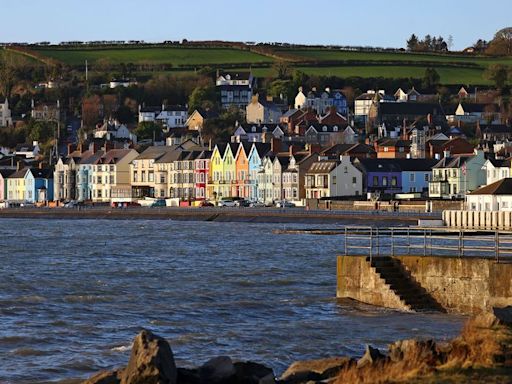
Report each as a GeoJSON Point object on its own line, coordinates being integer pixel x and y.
{"type": "Point", "coordinates": [482, 353]}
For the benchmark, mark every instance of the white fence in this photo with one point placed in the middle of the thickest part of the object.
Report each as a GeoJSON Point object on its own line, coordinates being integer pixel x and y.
{"type": "Point", "coordinates": [478, 220]}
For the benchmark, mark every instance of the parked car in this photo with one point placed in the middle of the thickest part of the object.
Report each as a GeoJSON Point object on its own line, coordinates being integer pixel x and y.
{"type": "Point", "coordinates": [206, 203]}
{"type": "Point", "coordinates": [256, 204]}
{"type": "Point", "coordinates": [284, 204]}
{"type": "Point", "coordinates": [241, 203]}
{"type": "Point", "coordinates": [159, 203]}
{"type": "Point", "coordinates": [226, 202]}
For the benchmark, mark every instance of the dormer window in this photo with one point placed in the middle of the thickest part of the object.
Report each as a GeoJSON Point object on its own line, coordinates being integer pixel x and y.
{"type": "Point", "coordinates": [335, 129]}
{"type": "Point", "coordinates": [253, 129]}
{"type": "Point", "coordinates": [324, 128]}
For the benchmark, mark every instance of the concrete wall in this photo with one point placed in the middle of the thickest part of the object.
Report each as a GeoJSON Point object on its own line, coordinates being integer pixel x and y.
{"type": "Point", "coordinates": [461, 285]}
{"type": "Point", "coordinates": [478, 219]}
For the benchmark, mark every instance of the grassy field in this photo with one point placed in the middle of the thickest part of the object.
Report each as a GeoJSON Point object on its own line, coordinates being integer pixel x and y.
{"type": "Point", "coordinates": [332, 54]}
{"type": "Point", "coordinates": [449, 76]}
{"type": "Point", "coordinates": [169, 55]}
{"type": "Point", "coordinates": [339, 63]}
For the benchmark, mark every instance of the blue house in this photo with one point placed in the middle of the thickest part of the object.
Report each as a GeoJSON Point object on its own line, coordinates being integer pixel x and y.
{"type": "Point", "coordinates": [39, 185]}
{"type": "Point", "coordinates": [416, 174]}
{"type": "Point", "coordinates": [391, 176]}
{"type": "Point", "coordinates": [255, 158]}
{"type": "Point", "coordinates": [340, 102]}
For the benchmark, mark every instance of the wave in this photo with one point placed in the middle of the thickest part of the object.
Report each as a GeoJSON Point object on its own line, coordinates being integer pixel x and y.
{"type": "Point", "coordinates": [122, 348]}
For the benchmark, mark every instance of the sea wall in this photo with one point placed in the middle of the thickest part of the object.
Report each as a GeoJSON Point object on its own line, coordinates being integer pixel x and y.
{"type": "Point", "coordinates": [491, 220]}
{"type": "Point", "coordinates": [466, 285]}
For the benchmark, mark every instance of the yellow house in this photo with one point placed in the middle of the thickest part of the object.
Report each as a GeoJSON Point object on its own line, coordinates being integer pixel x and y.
{"type": "Point", "coordinates": [16, 186]}
{"type": "Point", "coordinates": [229, 189]}
{"type": "Point", "coordinates": [216, 173]}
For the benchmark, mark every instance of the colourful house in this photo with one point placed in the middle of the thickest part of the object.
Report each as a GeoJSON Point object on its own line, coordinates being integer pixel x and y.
{"type": "Point", "coordinates": [16, 186]}
{"type": "Point", "coordinates": [4, 174]}
{"type": "Point", "coordinates": [39, 185]}
{"type": "Point", "coordinates": [256, 154]}
{"type": "Point", "coordinates": [242, 188]}
{"type": "Point", "coordinates": [216, 173]}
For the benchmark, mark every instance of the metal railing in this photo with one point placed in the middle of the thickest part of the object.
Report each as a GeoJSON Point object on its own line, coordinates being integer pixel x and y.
{"type": "Point", "coordinates": [395, 241]}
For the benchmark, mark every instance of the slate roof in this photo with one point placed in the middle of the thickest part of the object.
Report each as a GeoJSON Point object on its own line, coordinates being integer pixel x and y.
{"type": "Point", "coordinates": [323, 166]}
{"type": "Point", "coordinates": [452, 162]}
{"type": "Point", "coordinates": [45, 173]}
{"type": "Point", "coordinates": [5, 173]}
{"type": "Point", "coordinates": [501, 163]}
{"type": "Point", "coordinates": [497, 128]}
{"type": "Point", "coordinates": [175, 108]}
{"type": "Point", "coordinates": [500, 187]}
{"type": "Point", "coordinates": [397, 165]}
{"type": "Point", "coordinates": [410, 109]}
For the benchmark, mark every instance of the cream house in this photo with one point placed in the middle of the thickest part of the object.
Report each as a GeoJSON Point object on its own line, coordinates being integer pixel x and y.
{"type": "Point", "coordinates": [496, 169]}
{"type": "Point", "coordinates": [333, 178]}
{"type": "Point", "coordinates": [111, 172]}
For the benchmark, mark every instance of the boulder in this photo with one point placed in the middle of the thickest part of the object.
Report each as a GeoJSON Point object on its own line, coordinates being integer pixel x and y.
{"type": "Point", "coordinates": [424, 351]}
{"type": "Point", "coordinates": [249, 372]}
{"type": "Point", "coordinates": [371, 356]}
{"type": "Point", "coordinates": [314, 370]}
{"type": "Point", "coordinates": [105, 377]}
{"type": "Point", "coordinates": [217, 370]}
{"type": "Point", "coordinates": [188, 376]}
{"type": "Point", "coordinates": [151, 361]}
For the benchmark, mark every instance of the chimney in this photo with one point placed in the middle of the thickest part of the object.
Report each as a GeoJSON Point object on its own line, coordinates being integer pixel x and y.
{"type": "Point", "coordinates": [270, 99]}
{"type": "Point", "coordinates": [301, 89]}
{"type": "Point", "coordinates": [328, 89]}
{"type": "Point", "coordinates": [41, 165]}
{"type": "Point", "coordinates": [313, 89]}
{"type": "Point", "coordinates": [71, 148]}
{"type": "Point", "coordinates": [446, 153]}
{"type": "Point", "coordinates": [275, 145]}
{"type": "Point", "coordinates": [19, 165]}
{"type": "Point", "coordinates": [292, 149]}
{"type": "Point", "coordinates": [314, 148]}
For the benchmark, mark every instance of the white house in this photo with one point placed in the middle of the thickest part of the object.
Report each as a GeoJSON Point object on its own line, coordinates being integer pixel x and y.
{"type": "Point", "coordinates": [111, 130]}
{"type": "Point", "coordinates": [333, 178]}
{"type": "Point", "coordinates": [456, 176]}
{"type": "Point", "coordinates": [148, 114]}
{"type": "Point", "coordinates": [495, 197]}
{"type": "Point", "coordinates": [254, 133]}
{"type": "Point", "coordinates": [300, 99]}
{"type": "Point", "coordinates": [173, 116]}
{"type": "Point", "coordinates": [483, 113]}
{"type": "Point", "coordinates": [497, 169]}
{"type": "Point", "coordinates": [5, 114]}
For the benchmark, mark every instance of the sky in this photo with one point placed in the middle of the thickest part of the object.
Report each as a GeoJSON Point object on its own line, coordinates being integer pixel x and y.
{"type": "Point", "coordinates": [381, 23]}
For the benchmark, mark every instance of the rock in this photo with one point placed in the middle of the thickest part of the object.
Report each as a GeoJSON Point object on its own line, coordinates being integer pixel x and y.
{"type": "Point", "coordinates": [414, 351]}
{"type": "Point", "coordinates": [151, 361]}
{"type": "Point", "coordinates": [253, 373]}
{"type": "Point", "coordinates": [188, 376]}
{"type": "Point", "coordinates": [217, 370]}
{"type": "Point", "coordinates": [371, 355]}
{"type": "Point", "coordinates": [105, 377]}
{"type": "Point", "coordinates": [503, 315]}
{"type": "Point", "coordinates": [314, 370]}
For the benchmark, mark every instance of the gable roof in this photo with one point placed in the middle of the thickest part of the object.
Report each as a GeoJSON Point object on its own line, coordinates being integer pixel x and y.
{"type": "Point", "coordinates": [500, 187]}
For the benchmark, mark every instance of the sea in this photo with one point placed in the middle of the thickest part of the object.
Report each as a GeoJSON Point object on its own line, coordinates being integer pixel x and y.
{"type": "Point", "coordinates": [74, 293]}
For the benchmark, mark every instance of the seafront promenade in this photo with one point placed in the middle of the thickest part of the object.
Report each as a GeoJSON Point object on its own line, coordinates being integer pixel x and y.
{"type": "Point", "coordinates": [278, 215]}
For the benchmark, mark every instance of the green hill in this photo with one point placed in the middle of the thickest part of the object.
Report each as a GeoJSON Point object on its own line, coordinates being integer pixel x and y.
{"type": "Point", "coordinates": [453, 68]}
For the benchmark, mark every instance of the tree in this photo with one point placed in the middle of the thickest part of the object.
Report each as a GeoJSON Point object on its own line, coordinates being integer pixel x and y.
{"type": "Point", "coordinates": [499, 74]}
{"type": "Point", "coordinates": [202, 97]}
{"type": "Point", "coordinates": [281, 88]}
{"type": "Point", "coordinates": [148, 130]}
{"type": "Point", "coordinates": [412, 43]}
{"type": "Point", "coordinates": [502, 43]}
{"type": "Point", "coordinates": [281, 69]}
{"type": "Point", "coordinates": [431, 78]}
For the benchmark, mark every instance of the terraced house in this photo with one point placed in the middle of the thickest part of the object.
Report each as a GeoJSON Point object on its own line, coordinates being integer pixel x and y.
{"type": "Point", "coordinates": [111, 173]}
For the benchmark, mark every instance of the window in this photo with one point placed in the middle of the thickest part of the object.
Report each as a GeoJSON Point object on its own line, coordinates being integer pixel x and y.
{"type": "Point", "coordinates": [394, 181]}
{"type": "Point", "coordinates": [334, 180]}
{"type": "Point", "coordinates": [354, 180]}
{"type": "Point", "coordinates": [345, 169]}
{"type": "Point", "coordinates": [427, 177]}
{"type": "Point", "coordinates": [384, 181]}
{"type": "Point", "coordinates": [112, 179]}
{"type": "Point", "coordinates": [412, 177]}
{"type": "Point", "coordinates": [375, 180]}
